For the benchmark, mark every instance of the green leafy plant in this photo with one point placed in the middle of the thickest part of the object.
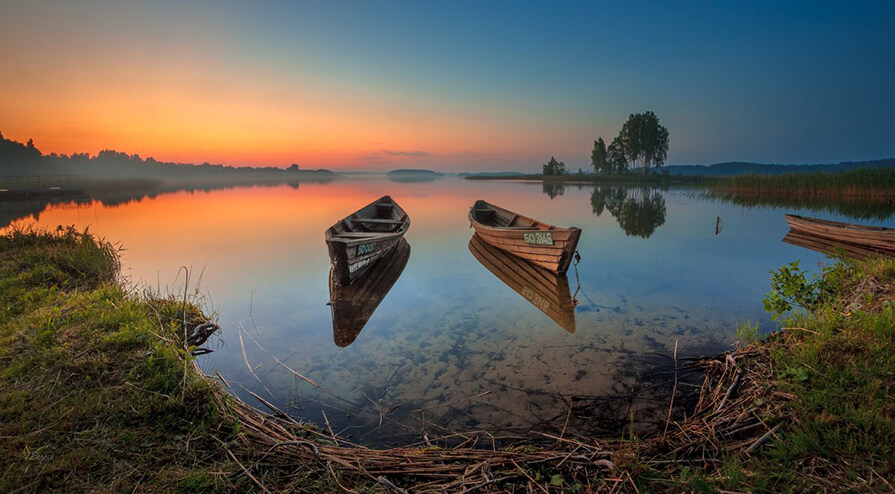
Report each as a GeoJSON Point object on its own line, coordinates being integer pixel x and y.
{"type": "Point", "coordinates": [747, 332]}
{"type": "Point", "coordinates": [790, 285]}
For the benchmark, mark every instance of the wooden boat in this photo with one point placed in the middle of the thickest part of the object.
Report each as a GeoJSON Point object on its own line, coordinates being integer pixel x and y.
{"type": "Point", "coordinates": [535, 241]}
{"type": "Point", "coordinates": [873, 237]}
{"type": "Point", "coordinates": [831, 247]}
{"type": "Point", "coordinates": [358, 240]}
{"type": "Point", "coordinates": [546, 290]}
{"type": "Point", "coordinates": [353, 305]}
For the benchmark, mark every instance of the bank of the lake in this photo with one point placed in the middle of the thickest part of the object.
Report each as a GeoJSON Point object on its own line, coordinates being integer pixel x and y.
{"type": "Point", "coordinates": [877, 184]}
{"type": "Point", "coordinates": [99, 391]}
{"type": "Point", "coordinates": [632, 178]}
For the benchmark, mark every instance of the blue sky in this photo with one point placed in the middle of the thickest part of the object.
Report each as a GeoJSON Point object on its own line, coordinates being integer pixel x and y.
{"type": "Point", "coordinates": [460, 85]}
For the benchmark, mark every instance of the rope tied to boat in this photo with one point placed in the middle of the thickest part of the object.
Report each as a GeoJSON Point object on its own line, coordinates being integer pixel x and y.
{"type": "Point", "coordinates": [575, 261]}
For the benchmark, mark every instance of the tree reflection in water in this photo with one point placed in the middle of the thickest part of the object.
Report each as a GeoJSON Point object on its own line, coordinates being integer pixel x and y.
{"type": "Point", "coordinates": [553, 189]}
{"type": "Point", "coordinates": [638, 210]}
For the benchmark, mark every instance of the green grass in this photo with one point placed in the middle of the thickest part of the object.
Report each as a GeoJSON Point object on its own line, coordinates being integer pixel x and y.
{"type": "Point", "coordinates": [840, 363]}
{"type": "Point", "coordinates": [96, 388]}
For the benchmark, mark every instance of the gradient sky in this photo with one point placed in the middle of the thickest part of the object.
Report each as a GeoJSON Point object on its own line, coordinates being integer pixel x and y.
{"type": "Point", "coordinates": [453, 85]}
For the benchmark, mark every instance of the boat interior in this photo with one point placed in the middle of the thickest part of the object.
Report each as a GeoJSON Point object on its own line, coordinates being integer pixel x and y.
{"type": "Point", "coordinates": [381, 217]}
{"type": "Point", "coordinates": [487, 215]}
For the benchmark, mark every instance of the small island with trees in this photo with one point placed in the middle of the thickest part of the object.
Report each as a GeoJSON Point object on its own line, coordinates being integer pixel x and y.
{"type": "Point", "coordinates": [634, 155]}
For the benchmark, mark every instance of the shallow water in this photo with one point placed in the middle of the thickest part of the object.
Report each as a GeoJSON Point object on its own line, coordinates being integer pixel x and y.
{"type": "Point", "coordinates": [452, 347]}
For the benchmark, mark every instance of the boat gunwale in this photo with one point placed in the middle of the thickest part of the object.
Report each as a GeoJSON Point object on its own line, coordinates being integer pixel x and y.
{"type": "Point", "coordinates": [403, 219]}
{"type": "Point", "coordinates": [795, 220]}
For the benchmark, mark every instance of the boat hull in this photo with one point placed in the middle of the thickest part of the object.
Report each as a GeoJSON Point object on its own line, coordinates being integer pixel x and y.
{"type": "Point", "coordinates": [351, 260]}
{"type": "Point", "coordinates": [873, 237]}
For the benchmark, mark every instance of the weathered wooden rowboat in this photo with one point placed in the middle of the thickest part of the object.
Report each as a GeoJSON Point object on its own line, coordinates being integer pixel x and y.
{"type": "Point", "coordinates": [358, 240]}
{"type": "Point", "coordinates": [546, 290]}
{"type": "Point", "coordinates": [832, 247]}
{"type": "Point", "coordinates": [875, 237]}
{"type": "Point", "coordinates": [352, 305]}
{"type": "Point", "coordinates": [535, 241]}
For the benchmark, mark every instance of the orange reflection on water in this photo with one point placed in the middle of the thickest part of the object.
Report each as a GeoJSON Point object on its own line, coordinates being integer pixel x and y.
{"type": "Point", "coordinates": [246, 231]}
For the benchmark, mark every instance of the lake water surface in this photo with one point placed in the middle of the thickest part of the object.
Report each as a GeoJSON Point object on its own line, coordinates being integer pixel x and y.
{"type": "Point", "coordinates": [451, 347]}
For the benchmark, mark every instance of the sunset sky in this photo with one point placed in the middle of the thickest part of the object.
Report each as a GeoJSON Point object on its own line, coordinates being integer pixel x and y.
{"type": "Point", "coordinates": [450, 85]}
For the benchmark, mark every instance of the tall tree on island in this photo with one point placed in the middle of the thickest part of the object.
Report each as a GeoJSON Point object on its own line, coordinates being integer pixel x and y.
{"type": "Point", "coordinates": [615, 157]}
{"type": "Point", "coordinates": [644, 140]}
{"type": "Point", "coordinates": [598, 157]}
{"type": "Point", "coordinates": [554, 167]}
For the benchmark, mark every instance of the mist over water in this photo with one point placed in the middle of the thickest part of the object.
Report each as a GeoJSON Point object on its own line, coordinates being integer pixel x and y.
{"type": "Point", "coordinates": [453, 346]}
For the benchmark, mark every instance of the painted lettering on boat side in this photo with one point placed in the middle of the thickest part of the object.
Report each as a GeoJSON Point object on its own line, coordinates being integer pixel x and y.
{"type": "Point", "coordinates": [364, 249]}
{"type": "Point", "coordinates": [538, 238]}
{"type": "Point", "coordinates": [359, 265]}
{"type": "Point", "coordinates": [536, 299]}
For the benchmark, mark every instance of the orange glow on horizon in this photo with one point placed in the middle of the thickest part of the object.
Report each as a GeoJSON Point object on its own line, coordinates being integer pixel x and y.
{"type": "Point", "coordinates": [254, 123]}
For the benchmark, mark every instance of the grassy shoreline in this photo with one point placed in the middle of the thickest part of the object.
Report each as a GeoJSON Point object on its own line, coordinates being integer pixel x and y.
{"type": "Point", "coordinates": [873, 184]}
{"type": "Point", "coordinates": [99, 391]}
{"type": "Point", "coordinates": [627, 178]}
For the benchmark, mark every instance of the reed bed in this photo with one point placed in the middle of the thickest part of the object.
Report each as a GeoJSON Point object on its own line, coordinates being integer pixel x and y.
{"type": "Point", "coordinates": [862, 183]}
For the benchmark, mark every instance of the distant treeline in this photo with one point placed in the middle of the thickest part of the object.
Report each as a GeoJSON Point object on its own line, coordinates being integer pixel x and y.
{"type": "Point", "coordinates": [17, 159]}
{"type": "Point", "coordinates": [745, 168]}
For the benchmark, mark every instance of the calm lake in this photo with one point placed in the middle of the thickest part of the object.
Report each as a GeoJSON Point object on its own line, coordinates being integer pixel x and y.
{"type": "Point", "coordinates": [453, 347]}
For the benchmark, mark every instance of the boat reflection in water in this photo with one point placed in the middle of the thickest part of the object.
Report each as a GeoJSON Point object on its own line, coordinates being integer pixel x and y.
{"type": "Point", "coordinates": [353, 304]}
{"type": "Point", "coordinates": [831, 247]}
{"type": "Point", "coordinates": [545, 290]}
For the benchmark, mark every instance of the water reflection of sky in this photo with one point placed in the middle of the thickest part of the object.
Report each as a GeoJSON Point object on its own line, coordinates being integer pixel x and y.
{"type": "Point", "coordinates": [449, 329]}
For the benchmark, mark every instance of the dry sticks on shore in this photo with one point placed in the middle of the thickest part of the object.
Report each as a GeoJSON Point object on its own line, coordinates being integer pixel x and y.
{"type": "Point", "coordinates": [739, 409]}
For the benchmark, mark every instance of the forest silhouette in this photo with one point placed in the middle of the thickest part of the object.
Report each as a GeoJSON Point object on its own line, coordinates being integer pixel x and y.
{"type": "Point", "coordinates": [17, 159]}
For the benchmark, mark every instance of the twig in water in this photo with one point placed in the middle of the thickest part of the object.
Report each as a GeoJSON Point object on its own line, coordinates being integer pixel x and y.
{"type": "Point", "coordinates": [673, 392]}
{"type": "Point", "coordinates": [568, 416]}
{"type": "Point", "coordinates": [273, 408]}
{"type": "Point", "coordinates": [486, 393]}
{"type": "Point", "coordinates": [312, 383]}
{"type": "Point", "coordinates": [249, 366]}
{"type": "Point", "coordinates": [329, 427]}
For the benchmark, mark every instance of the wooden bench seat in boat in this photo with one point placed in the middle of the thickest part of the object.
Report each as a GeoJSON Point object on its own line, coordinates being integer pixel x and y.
{"type": "Point", "coordinates": [377, 220]}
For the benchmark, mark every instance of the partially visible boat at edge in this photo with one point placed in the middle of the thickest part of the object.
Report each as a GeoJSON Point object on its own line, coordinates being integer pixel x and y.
{"type": "Point", "coordinates": [830, 247]}
{"type": "Point", "coordinates": [358, 240]}
{"type": "Point", "coordinates": [352, 305]}
{"type": "Point", "coordinates": [540, 243]}
{"type": "Point", "coordinates": [874, 238]}
{"type": "Point", "coordinates": [546, 290]}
